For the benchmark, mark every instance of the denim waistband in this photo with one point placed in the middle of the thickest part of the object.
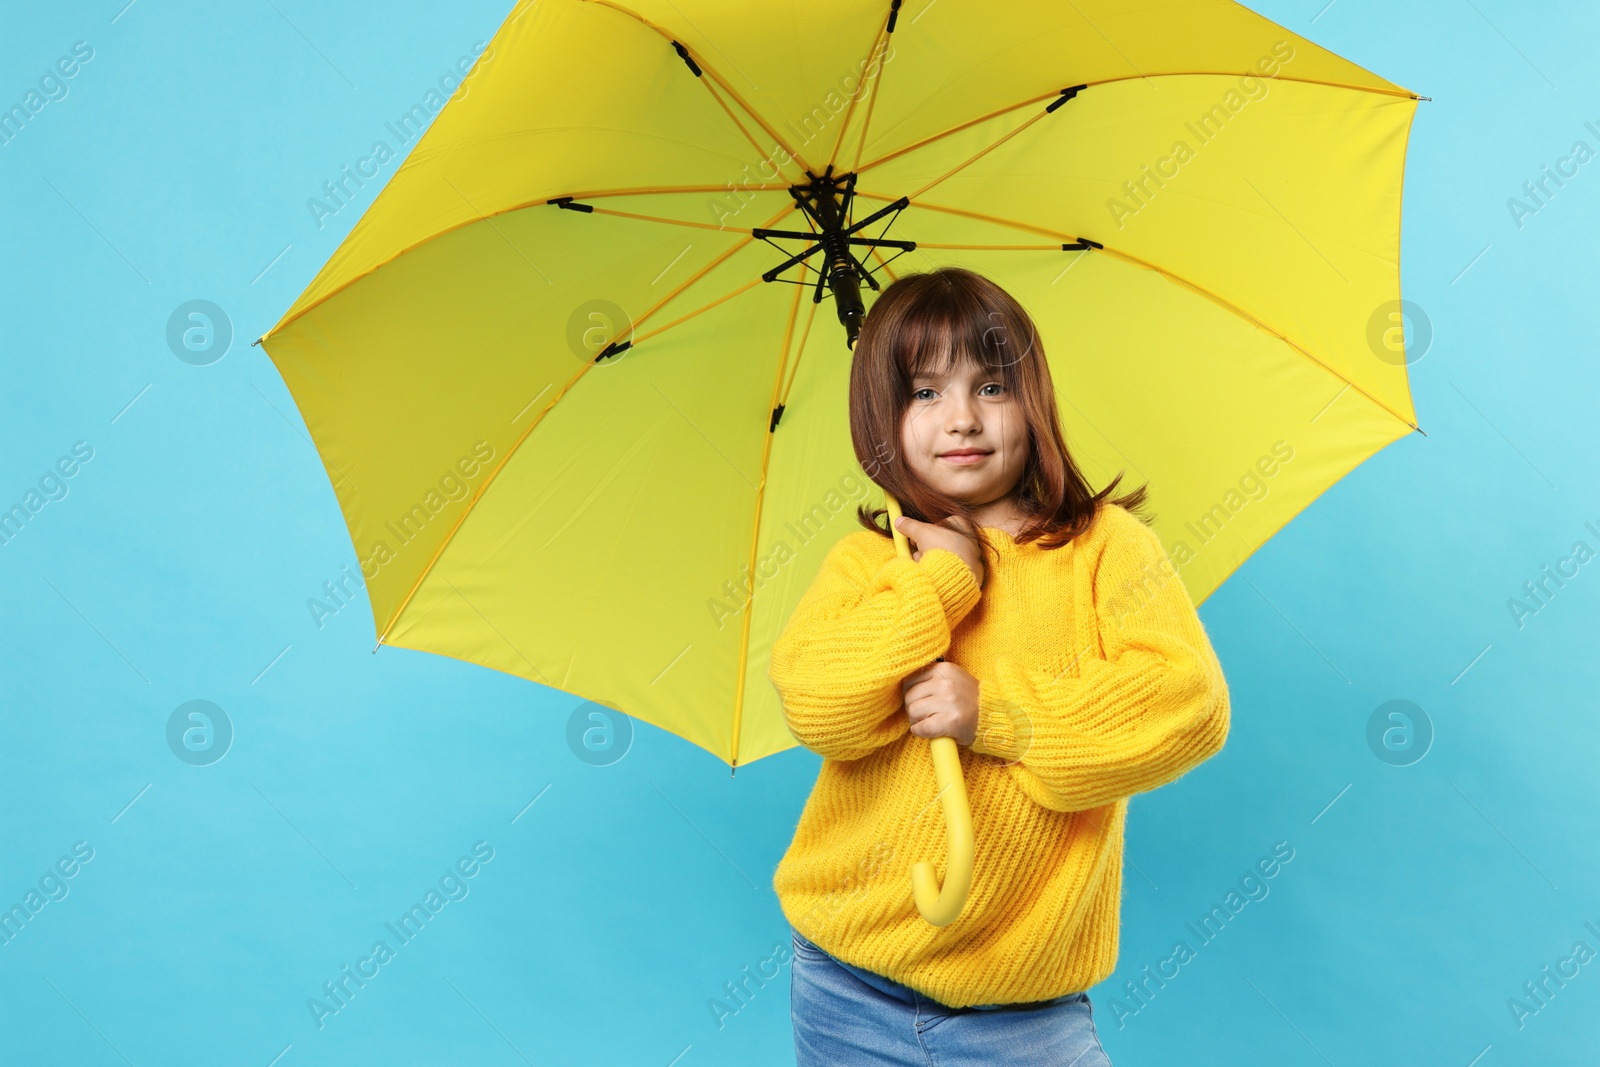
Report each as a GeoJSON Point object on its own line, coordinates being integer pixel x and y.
{"type": "Point", "coordinates": [906, 995]}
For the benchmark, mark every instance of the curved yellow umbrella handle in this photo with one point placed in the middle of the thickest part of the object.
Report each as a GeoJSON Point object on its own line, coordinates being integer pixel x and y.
{"type": "Point", "coordinates": [940, 906]}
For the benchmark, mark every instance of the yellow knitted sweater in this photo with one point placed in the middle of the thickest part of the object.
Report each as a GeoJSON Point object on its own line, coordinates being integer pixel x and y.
{"type": "Point", "coordinates": [1096, 681]}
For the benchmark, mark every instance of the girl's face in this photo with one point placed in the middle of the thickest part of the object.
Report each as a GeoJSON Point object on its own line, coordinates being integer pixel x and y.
{"type": "Point", "coordinates": [967, 409]}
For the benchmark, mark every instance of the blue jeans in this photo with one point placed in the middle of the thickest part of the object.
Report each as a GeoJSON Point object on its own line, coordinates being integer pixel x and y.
{"type": "Point", "coordinates": [845, 1016]}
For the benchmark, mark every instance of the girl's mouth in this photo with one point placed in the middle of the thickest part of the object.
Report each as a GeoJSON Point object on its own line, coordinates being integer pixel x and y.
{"type": "Point", "coordinates": [964, 458]}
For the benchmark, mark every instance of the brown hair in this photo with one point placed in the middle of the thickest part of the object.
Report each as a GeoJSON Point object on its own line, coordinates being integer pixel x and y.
{"type": "Point", "coordinates": [923, 322]}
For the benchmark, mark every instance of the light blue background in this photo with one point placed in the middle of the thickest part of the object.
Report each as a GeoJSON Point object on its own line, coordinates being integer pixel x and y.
{"type": "Point", "coordinates": [179, 565]}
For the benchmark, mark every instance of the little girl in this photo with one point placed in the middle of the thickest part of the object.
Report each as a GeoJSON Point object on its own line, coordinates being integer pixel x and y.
{"type": "Point", "coordinates": [1075, 674]}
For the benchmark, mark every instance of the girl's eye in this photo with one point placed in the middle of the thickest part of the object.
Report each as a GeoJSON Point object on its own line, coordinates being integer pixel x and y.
{"type": "Point", "coordinates": [999, 389]}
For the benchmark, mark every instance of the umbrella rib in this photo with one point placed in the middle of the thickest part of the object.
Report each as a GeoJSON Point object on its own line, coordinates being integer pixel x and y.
{"type": "Point", "coordinates": [978, 155]}
{"type": "Point", "coordinates": [1242, 313]}
{"type": "Point", "coordinates": [596, 194]}
{"type": "Point", "coordinates": [1408, 94]}
{"type": "Point", "coordinates": [1013, 223]}
{"type": "Point", "coordinates": [716, 76]}
{"type": "Point", "coordinates": [747, 136]}
{"type": "Point", "coordinates": [730, 250]}
{"type": "Point", "coordinates": [877, 253]}
{"type": "Point", "coordinates": [995, 248]}
{"type": "Point", "coordinates": [751, 284]}
{"type": "Point", "coordinates": [872, 97]}
{"type": "Point", "coordinates": [646, 191]}
{"type": "Point", "coordinates": [512, 451]}
{"type": "Point", "coordinates": [755, 527]}
{"type": "Point", "coordinates": [658, 218]}
{"type": "Point", "coordinates": [539, 201]}
{"type": "Point", "coordinates": [1171, 276]}
{"type": "Point", "coordinates": [805, 335]}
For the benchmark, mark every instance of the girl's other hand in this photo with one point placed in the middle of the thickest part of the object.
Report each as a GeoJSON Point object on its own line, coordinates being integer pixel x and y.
{"type": "Point", "coordinates": [927, 536]}
{"type": "Point", "coordinates": [942, 701]}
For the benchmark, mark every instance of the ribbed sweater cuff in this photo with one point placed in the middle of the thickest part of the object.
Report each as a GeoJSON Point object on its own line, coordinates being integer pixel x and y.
{"type": "Point", "coordinates": [1004, 729]}
{"type": "Point", "coordinates": [953, 580]}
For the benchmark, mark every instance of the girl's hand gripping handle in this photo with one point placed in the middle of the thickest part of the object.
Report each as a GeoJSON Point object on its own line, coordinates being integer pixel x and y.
{"type": "Point", "coordinates": [940, 905]}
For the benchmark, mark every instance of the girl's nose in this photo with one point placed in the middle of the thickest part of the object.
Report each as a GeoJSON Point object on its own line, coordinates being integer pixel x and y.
{"type": "Point", "coordinates": [963, 417]}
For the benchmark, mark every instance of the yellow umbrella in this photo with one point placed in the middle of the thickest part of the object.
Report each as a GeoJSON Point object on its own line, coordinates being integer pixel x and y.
{"type": "Point", "coordinates": [583, 430]}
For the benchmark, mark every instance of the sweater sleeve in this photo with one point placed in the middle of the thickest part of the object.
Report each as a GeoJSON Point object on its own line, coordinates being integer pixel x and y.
{"type": "Point", "coordinates": [855, 635]}
{"type": "Point", "coordinates": [1150, 711]}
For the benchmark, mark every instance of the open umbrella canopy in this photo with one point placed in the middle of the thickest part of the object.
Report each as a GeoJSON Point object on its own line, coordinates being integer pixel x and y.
{"type": "Point", "coordinates": [587, 421]}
